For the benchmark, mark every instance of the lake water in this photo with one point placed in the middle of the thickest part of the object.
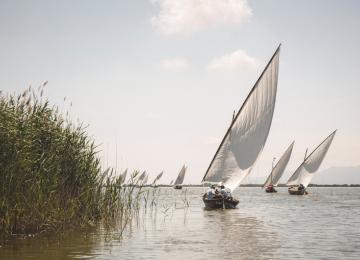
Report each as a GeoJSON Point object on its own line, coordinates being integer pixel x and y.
{"type": "Point", "coordinates": [322, 225]}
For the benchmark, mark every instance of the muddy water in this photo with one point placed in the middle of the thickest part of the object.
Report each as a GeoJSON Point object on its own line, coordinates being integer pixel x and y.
{"type": "Point", "coordinates": [322, 225]}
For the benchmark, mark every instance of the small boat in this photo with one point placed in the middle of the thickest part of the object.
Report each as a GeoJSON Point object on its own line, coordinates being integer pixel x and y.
{"type": "Point", "coordinates": [245, 138]}
{"type": "Point", "coordinates": [220, 202]}
{"type": "Point", "coordinates": [303, 175]}
{"type": "Point", "coordinates": [179, 180]}
{"type": "Point", "coordinates": [278, 170]}
{"type": "Point", "coordinates": [270, 189]}
{"type": "Point", "coordinates": [297, 190]}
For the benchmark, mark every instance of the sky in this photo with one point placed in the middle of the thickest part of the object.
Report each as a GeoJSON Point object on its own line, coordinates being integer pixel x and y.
{"type": "Point", "coordinates": [157, 80]}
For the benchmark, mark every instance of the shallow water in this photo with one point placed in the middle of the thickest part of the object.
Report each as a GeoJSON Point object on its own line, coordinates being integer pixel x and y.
{"type": "Point", "coordinates": [322, 225]}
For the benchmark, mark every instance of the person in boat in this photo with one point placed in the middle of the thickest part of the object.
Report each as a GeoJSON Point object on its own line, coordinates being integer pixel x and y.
{"type": "Point", "coordinates": [301, 187]}
{"type": "Point", "coordinates": [210, 194]}
{"type": "Point", "coordinates": [224, 192]}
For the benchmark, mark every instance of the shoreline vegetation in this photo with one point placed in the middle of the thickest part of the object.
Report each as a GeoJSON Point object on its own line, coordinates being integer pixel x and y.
{"type": "Point", "coordinates": [50, 174]}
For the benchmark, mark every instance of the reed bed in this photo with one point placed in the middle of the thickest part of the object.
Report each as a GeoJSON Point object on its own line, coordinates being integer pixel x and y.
{"type": "Point", "coordinates": [50, 174]}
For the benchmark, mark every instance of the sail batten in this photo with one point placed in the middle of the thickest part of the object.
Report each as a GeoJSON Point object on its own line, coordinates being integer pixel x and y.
{"type": "Point", "coordinates": [247, 134]}
{"type": "Point", "coordinates": [279, 168]}
{"type": "Point", "coordinates": [305, 172]}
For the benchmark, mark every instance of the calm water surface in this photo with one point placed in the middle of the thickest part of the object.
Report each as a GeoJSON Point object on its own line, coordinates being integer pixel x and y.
{"type": "Point", "coordinates": [322, 225]}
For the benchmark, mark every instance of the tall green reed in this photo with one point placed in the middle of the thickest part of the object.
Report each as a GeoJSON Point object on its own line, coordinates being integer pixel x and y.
{"type": "Point", "coordinates": [50, 173]}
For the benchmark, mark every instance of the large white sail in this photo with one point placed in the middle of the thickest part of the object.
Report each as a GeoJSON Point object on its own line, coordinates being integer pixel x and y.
{"type": "Point", "coordinates": [247, 134]}
{"type": "Point", "coordinates": [311, 164]}
{"type": "Point", "coordinates": [279, 168]}
{"type": "Point", "coordinates": [179, 180]}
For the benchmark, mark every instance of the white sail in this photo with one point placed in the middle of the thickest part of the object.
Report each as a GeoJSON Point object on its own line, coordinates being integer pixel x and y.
{"type": "Point", "coordinates": [179, 180]}
{"type": "Point", "coordinates": [311, 164]}
{"type": "Point", "coordinates": [279, 168]}
{"type": "Point", "coordinates": [246, 137]}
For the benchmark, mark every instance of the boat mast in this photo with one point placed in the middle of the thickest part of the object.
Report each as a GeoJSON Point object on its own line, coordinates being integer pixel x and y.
{"type": "Point", "coordinates": [272, 169]}
{"type": "Point", "coordinates": [241, 108]}
{"type": "Point", "coordinates": [305, 154]}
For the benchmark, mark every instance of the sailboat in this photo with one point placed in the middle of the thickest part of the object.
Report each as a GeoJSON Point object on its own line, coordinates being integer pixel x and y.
{"type": "Point", "coordinates": [301, 178]}
{"type": "Point", "coordinates": [245, 138]}
{"type": "Point", "coordinates": [277, 171]}
{"type": "Point", "coordinates": [179, 180]}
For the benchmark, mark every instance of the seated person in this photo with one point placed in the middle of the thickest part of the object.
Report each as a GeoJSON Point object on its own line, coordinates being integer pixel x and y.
{"type": "Point", "coordinates": [210, 194]}
{"type": "Point", "coordinates": [225, 192]}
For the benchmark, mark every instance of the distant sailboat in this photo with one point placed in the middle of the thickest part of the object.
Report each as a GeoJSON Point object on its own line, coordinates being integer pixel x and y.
{"type": "Point", "coordinates": [179, 180]}
{"type": "Point", "coordinates": [277, 171]}
{"type": "Point", "coordinates": [245, 138]}
{"type": "Point", "coordinates": [301, 178]}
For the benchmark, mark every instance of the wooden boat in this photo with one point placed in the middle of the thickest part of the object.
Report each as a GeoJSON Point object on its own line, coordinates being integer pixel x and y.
{"type": "Point", "coordinates": [246, 136]}
{"type": "Point", "coordinates": [297, 190]}
{"type": "Point", "coordinates": [220, 202]}
{"type": "Point", "coordinates": [270, 189]}
{"type": "Point", "coordinates": [278, 170]}
{"type": "Point", "coordinates": [178, 187]}
{"type": "Point", "coordinates": [305, 172]}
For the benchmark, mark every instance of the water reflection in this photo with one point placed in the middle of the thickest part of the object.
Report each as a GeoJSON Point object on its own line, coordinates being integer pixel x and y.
{"type": "Point", "coordinates": [65, 246]}
{"type": "Point", "coordinates": [322, 225]}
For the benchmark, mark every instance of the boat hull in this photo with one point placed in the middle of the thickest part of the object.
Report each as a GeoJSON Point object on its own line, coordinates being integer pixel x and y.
{"type": "Point", "coordinates": [177, 187]}
{"type": "Point", "coordinates": [296, 191]}
{"type": "Point", "coordinates": [270, 190]}
{"type": "Point", "coordinates": [220, 203]}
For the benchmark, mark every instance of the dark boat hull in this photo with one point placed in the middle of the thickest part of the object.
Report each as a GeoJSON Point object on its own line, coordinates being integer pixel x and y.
{"type": "Point", "coordinates": [297, 191]}
{"type": "Point", "coordinates": [220, 203]}
{"type": "Point", "coordinates": [270, 190]}
{"type": "Point", "coordinates": [178, 187]}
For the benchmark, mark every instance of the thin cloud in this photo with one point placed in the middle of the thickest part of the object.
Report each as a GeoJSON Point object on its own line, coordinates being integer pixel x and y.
{"type": "Point", "coordinates": [236, 60]}
{"type": "Point", "coordinates": [187, 16]}
{"type": "Point", "coordinates": [174, 64]}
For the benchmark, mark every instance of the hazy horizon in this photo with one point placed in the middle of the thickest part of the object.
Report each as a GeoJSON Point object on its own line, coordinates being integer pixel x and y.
{"type": "Point", "coordinates": [157, 81]}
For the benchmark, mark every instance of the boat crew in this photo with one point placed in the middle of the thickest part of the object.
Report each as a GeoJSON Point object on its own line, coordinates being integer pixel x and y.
{"type": "Point", "coordinates": [224, 192]}
{"type": "Point", "coordinates": [211, 192]}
